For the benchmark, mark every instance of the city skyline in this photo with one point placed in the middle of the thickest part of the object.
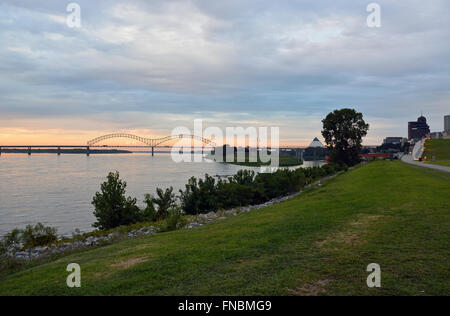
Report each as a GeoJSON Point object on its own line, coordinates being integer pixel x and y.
{"type": "Point", "coordinates": [73, 140]}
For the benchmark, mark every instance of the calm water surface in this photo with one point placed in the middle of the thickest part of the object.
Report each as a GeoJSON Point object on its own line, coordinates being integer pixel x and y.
{"type": "Point", "coordinates": [58, 190]}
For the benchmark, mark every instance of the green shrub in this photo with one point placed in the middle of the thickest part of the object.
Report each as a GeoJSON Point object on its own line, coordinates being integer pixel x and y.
{"type": "Point", "coordinates": [190, 196]}
{"type": "Point", "coordinates": [30, 237]}
{"type": "Point", "coordinates": [244, 188]}
{"type": "Point", "coordinates": [149, 214]}
{"type": "Point", "coordinates": [343, 167]}
{"type": "Point", "coordinates": [174, 220]}
{"type": "Point", "coordinates": [232, 194]}
{"type": "Point", "coordinates": [327, 169]}
{"type": "Point", "coordinates": [38, 235]}
{"type": "Point", "coordinates": [164, 200]}
{"type": "Point", "coordinates": [244, 177]}
{"type": "Point", "coordinates": [11, 242]}
{"type": "Point", "coordinates": [199, 196]}
{"type": "Point", "coordinates": [112, 208]}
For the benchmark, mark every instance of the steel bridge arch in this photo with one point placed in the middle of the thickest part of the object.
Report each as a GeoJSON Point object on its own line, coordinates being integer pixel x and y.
{"type": "Point", "coordinates": [149, 141]}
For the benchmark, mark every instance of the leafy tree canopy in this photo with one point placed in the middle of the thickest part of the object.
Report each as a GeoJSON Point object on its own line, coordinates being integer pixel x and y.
{"type": "Point", "coordinates": [343, 131]}
{"type": "Point", "coordinates": [112, 208]}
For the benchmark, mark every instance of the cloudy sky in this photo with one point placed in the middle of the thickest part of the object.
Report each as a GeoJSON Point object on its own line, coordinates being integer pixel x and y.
{"type": "Point", "coordinates": [148, 66]}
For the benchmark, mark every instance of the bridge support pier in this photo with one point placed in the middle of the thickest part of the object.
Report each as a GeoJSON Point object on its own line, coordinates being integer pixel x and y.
{"type": "Point", "coordinates": [153, 151]}
{"type": "Point", "coordinates": [29, 151]}
{"type": "Point", "coordinates": [59, 151]}
{"type": "Point", "coordinates": [88, 151]}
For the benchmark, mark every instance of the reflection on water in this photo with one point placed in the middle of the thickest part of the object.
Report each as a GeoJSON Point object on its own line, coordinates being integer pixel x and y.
{"type": "Point", "coordinates": [57, 190]}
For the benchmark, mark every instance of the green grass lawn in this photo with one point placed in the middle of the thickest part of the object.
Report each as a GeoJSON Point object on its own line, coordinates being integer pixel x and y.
{"type": "Point", "coordinates": [440, 162]}
{"type": "Point", "coordinates": [319, 243]}
{"type": "Point", "coordinates": [439, 148]}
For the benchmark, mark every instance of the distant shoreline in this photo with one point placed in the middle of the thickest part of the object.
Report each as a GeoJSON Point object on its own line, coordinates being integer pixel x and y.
{"type": "Point", "coordinates": [65, 151]}
{"type": "Point", "coordinates": [284, 161]}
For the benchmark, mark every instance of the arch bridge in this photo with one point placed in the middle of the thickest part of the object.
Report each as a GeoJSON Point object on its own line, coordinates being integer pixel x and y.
{"type": "Point", "coordinates": [151, 142]}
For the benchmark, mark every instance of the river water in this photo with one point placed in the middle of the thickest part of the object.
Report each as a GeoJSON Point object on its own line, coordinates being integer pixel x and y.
{"type": "Point", "coordinates": [58, 190]}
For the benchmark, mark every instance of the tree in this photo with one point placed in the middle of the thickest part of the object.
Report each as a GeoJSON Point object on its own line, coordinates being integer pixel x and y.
{"type": "Point", "coordinates": [149, 214]}
{"type": "Point", "coordinates": [200, 195]}
{"type": "Point", "coordinates": [244, 177]}
{"type": "Point", "coordinates": [343, 131]}
{"type": "Point", "coordinates": [112, 208]}
{"type": "Point", "coordinates": [165, 201]}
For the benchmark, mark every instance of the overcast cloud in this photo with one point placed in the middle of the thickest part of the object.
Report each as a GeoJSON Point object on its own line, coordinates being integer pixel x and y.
{"type": "Point", "coordinates": [153, 65]}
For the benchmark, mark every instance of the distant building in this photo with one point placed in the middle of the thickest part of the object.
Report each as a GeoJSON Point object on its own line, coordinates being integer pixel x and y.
{"type": "Point", "coordinates": [393, 140]}
{"type": "Point", "coordinates": [315, 151]}
{"type": "Point", "coordinates": [440, 135]}
{"type": "Point", "coordinates": [447, 123]}
{"type": "Point", "coordinates": [446, 133]}
{"type": "Point", "coordinates": [436, 135]}
{"type": "Point", "coordinates": [316, 143]}
{"type": "Point", "coordinates": [418, 129]}
{"type": "Point", "coordinates": [391, 145]}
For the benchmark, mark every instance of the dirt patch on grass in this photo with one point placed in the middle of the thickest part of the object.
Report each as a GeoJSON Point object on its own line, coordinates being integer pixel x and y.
{"type": "Point", "coordinates": [107, 271]}
{"type": "Point", "coordinates": [347, 238]}
{"type": "Point", "coordinates": [128, 263]}
{"type": "Point", "coordinates": [145, 247]}
{"type": "Point", "coordinates": [365, 219]}
{"type": "Point", "coordinates": [311, 289]}
{"type": "Point", "coordinates": [353, 232]}
{"type": "Point", "coordinates": [405, 206]}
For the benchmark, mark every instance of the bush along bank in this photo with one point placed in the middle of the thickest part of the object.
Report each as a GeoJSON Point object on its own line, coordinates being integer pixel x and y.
{"type": "Point", "coordinates": [203, 201]}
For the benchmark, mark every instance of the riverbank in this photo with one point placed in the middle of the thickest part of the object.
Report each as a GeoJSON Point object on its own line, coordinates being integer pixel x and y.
{"type": "Point", "coordinates": [318, 243]}
{"type": "Point", "coordinates": [284, 161]}
{"type": "Point", "coordinates": [99, 238]}
{"type": "Point", "coordinates": [244, 191]}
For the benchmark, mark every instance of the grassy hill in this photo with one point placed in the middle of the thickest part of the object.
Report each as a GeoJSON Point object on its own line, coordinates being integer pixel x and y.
{"type": "Point", "coordinates": [319, 243]}
{"type": "Point", "coordinates": [440, 148]}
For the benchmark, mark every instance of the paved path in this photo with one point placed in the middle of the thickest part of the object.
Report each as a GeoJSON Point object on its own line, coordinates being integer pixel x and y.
{"type": "Point", "coordinates": [409, 159]}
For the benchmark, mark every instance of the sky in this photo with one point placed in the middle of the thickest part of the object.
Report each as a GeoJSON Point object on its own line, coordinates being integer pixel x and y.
{"type": "Point", "coordinates": [147, 67]}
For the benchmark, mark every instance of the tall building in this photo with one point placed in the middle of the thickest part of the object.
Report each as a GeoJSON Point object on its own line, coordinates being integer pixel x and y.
{"type": "Point", "coordinates": [447, 123]}
{"type": "Point", "coordinates": [418, 129]}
